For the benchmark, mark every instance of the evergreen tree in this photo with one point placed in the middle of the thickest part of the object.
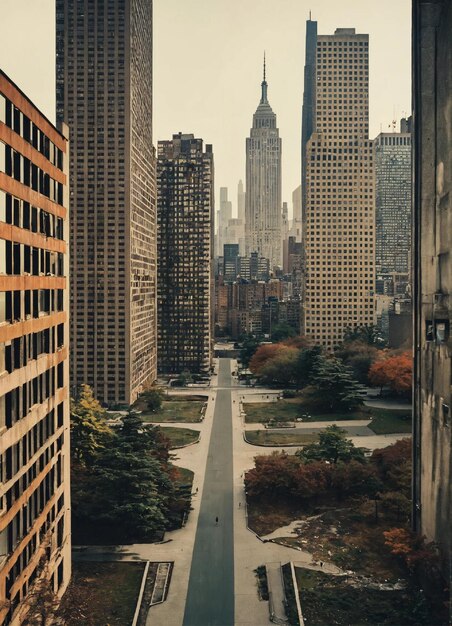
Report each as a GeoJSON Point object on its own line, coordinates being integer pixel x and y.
{"type": "Point", "coordinates": [333, 446]}
{"type": "Point", "coordinates": [333, 384]}
{"type": "Point", "coordinates": [134, 484]}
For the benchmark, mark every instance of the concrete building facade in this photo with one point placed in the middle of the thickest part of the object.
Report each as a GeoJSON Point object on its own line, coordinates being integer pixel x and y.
{"type": "Point", "coordinates": [34, 343]}
{"type": "Point", "coordinates": [432, 274]}
{"type": "Point", "coordinates": [104, 94]}
{"type": "Point", "coordinates": [263, 184]}
{"type": "Point", "coordinates": [339, 211]}
{"type": "Point", "coordinates": [185, 210]}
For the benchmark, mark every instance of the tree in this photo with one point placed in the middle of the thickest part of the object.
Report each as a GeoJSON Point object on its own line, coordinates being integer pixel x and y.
{"type": "Point", "coordinates": [359, 355]}
{"type": "Point", "coordinates": [264, 353]}
{"type": "Point", "coordinates": [333, 386]}
{"type": "Point", "coordinates": [249, 347]}
{"type": "Point", "coordinates": [136, 485]}
{"type": "Point", "coordinates": [304, 366]}
{"type": "Point", "coordinates": [89, 431]}
{"type": "Point", "coordinates": [154, 398]}
{"type": "Point", "coordinates": [282, 331]}
{"type": "Point", "coordinates": [333, 446]}
{"type": "Point", "coordinates": [280, 369]}
{"type": "Point", "coordinates": [364, 333]}
{"type": "Point", "coordinates": [395, 371]}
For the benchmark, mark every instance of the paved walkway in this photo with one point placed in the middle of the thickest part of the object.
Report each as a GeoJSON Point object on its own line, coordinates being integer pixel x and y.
{"type": "Point", "coordinates": [210, 599]}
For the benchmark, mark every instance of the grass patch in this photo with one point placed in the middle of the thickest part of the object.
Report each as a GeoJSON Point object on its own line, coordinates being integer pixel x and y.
{"type": "Point", "coordinates": [384, 421]}
{"type": "Point", "coordinates": [288, 410]}
{"type": "Point", "coordinates": [332, 600]}
{"type": "Point", "coordinates": [387, 421]}
{"type": "Point", "coordinates": [266, 438]}
{"type": "Point", "coordinates": [176, 411]}
{"type": "Point", "coordinates": [102, 593]}
{"type": "Point", "coordinates": [184, 476]}
{"type": "Point", "coordinates": [180, 436]}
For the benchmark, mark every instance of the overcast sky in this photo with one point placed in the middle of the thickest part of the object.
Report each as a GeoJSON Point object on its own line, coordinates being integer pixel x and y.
{"type": "Point", "coordinates": [208, 67]}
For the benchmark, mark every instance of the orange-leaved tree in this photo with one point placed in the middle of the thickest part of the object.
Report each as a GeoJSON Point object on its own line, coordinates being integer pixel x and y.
{"type": "Point", "coordinates": [266, 353]}
{"type": "Point", "coordinates": [394, 371]}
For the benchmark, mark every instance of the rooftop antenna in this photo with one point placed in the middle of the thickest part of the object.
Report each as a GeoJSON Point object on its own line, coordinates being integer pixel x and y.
{"type": "Point", "coordinates": [309, 14]}
{"type": "Point", "coordinates": [264, 65]}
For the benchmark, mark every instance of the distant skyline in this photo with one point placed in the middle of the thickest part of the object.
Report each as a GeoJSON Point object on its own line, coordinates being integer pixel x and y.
{"type": "Point", "coordinates": [208, 68]}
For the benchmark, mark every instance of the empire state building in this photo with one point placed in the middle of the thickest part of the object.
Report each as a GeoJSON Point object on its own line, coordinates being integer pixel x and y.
{"type": "Point", "coordinates": [263, 183]}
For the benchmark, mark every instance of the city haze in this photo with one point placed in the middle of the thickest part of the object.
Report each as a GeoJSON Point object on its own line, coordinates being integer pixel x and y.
{"type": "Point", "coordinates": [208, 68]}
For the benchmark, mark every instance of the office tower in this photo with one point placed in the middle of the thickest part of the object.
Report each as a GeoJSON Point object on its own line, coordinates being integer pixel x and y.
{"type": "Point", "coordinates": [224, 216]}
{"type": "Point", "coordinates": [309, 99]}
{"type": "Point", "coordinates": [185, 209]}
{"type": "Point", "coordinates": [34, 343]}
{"type": "Point", "coordinates": [241, 198]}
{"type": "Point", "coordinates": [284, 223]}
{"type": "Point", "coordinates": [392, 211]}
{"type": "Point", "coordinates": [432, 276]}
{"type": "Point", "coordinates": [263, 184]}
{"type": "Point", "coordinates": [296, 226]}
{"type": "Point", "coordinates": [230, 261]}
{"type": "Point", "coordinates": [338, 233]}
{"type": "Point", "coordinates": [104, 94]}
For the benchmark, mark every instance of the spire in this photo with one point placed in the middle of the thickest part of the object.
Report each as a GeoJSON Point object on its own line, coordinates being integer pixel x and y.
{"type": "Point", "coordinates": [264, 87]}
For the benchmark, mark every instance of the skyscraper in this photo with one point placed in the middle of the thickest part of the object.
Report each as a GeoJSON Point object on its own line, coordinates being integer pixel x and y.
{"type": "Point", "coordinates": [224, 216]}
{"type": "Point", "coordinates": [34, 344]}
{"type": "Point", "coordinates": [104, 94]}
{"type": "Point", "coordinates": [309, 97]}
{"type": "Point", "coordinates": [393, 209]}
{"type": "Point", "coordinates": [185, 210]}
{"type": "Point", "coordinates": [338, 232]}
{"type": "Point", "coordinates": [263, 184]}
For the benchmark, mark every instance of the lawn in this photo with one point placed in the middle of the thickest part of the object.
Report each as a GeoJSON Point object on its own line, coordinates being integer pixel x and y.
{"type": "Point", "coordinates": [266, 438]}
{"type": "Point", "coordinates": [384, 421]}
{"type": "Point", "coordinates": [332, 600]}
{"type": "Point", "coordinates": [176, 411]}
{"type": "Point", "coordinates": [102, 593]}
{"type": "Point", "coordinates": [280, 411]}
{"type": "Point", "coordinates": [180, 436]}
{"type": "Point", "coordinates": [387, 421]}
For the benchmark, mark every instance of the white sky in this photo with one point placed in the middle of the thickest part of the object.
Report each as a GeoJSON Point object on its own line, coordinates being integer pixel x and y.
{"type": "Point", "coordinates": [208, 67]}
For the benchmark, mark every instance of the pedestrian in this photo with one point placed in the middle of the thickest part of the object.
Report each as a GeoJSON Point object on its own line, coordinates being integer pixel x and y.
{"type": "Point", "coordinates": [240, 504]}
{"type": "Point", "coordinates": [321, 563]}
{"type": "Point", "coordinates": [216, 521]}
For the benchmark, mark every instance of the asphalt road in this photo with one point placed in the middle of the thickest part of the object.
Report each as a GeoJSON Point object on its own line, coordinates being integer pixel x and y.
{"type": "Point", "coordinates": [210, 598]}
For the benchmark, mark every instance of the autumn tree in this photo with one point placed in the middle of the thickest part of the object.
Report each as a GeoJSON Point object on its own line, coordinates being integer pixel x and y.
{"type": "Point", "coordinates": [394, 371]}
{"type": "Point", "coordinates": [360, 356]}
{"type": "Point", "coordinates": [280, 369]}
{"type": "Point", "coordinates": [89, 431]}
{"type": "Point", "coordinates": [264, 353]}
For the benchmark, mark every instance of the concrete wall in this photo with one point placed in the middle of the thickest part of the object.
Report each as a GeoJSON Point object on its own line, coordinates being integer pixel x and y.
{"type": "Point", "coordinates": [432, 86]}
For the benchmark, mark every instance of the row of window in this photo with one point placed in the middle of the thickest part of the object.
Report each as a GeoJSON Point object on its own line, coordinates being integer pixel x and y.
{"type": "Point", "coordinates": [23, 215]}
{"type": "Point", "coordinates": [16, 404]}
{"type": "Point", "coordinates": [29, 174]}
{"type": "Point", "coordinates": [17, 259]}
{"type": "Point", "coordinates": [23, 126]}
{"type": "Point", "coordinates": [16, 306]}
